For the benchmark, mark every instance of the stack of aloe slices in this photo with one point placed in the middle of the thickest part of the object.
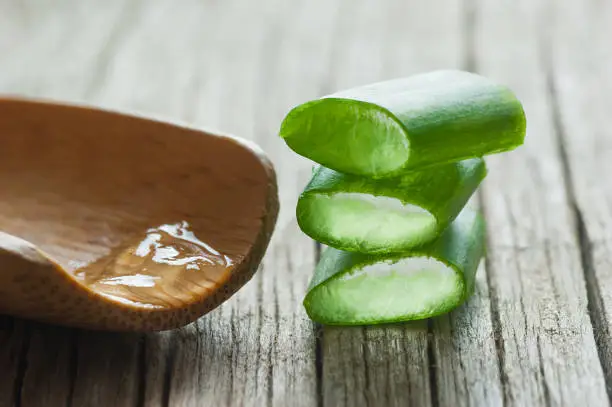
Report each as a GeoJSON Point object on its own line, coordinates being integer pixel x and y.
{"type": "Point", "coordinates": [398, 161]}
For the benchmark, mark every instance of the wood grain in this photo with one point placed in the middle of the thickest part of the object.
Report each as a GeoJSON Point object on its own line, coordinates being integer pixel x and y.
{"type": "Point", "coordinates": [546, 345]}
{"type": "Point", "coordinates": [525, 338]}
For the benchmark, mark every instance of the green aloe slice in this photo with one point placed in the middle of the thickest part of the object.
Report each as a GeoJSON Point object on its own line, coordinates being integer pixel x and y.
{"type": "Point", "coordinates": [385, 128]}
{"type": "Point", "coordinates": [358, 289]}
{"type": "Point", "coordinates": [356, 213]}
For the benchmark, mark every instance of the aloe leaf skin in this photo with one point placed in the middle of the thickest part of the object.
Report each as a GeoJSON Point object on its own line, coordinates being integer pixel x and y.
{"type": "Point", "coordinates": [383, 129]}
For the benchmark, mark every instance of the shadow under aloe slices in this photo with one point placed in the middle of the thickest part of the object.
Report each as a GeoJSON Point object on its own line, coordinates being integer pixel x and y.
{"type": "Point", "coordinates": [351, 288]}
{"type": "Point", "coordinates": [356, 213]}
{"type": "Point", "coordinates": [385, 128]}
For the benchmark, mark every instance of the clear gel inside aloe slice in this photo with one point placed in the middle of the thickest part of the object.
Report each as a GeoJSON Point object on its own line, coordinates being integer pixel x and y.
{"type": "Point", "coordinates": [367, 222]}
{"type": "Point", "coordinates": [409, 288]}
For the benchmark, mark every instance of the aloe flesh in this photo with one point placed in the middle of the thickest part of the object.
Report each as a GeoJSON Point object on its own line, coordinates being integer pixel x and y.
{"type": "Point", "coordinates": [356, 213]}
{"type": "Point", "coordinates": [351, 288]}
{"type": "Point", "coordinates": [383, 129]}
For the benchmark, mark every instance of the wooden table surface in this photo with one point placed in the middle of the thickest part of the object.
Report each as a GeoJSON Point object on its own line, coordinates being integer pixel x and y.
{"type": "Point", "coordinates": [537, 330]}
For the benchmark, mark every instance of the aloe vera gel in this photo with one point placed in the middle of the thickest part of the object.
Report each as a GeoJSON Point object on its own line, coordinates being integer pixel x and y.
{"type": "Point", "coordinates": [398, 162]}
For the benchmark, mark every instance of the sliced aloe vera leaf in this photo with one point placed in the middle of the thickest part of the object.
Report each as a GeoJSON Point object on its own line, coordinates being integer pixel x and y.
{"type": "Point", "coordinates": [351, 288]}
{"type": "Point", "coordinates": [385, 128]}
{"type": "Point", "coordinates": [356, 213]}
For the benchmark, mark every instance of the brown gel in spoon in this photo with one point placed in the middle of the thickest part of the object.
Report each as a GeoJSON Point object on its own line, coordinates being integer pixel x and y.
{"type": "Point", "coordinates": [167, 267]}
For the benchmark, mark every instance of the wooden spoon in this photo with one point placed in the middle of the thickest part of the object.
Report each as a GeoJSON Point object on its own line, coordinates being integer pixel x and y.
{"type": "Point", "coordinates": [117, 222]}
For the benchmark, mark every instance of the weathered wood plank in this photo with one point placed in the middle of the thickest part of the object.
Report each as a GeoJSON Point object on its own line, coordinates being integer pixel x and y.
{"type": "Point", "coordinates": [546, 345]}
{"type": "Point", "coordinates": [579, 66]}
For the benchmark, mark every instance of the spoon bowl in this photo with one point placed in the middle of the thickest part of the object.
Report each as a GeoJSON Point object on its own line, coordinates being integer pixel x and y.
{"type": "Point", "coordinates": [118, 222]}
